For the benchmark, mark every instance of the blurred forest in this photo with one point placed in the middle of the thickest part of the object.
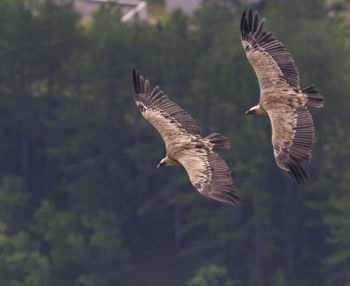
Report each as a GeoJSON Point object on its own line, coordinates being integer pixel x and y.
{"type": "Point", "coordinates": [81, 200]}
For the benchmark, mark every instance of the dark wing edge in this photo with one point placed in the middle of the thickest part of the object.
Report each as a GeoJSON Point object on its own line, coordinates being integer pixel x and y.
{"type": "Point", "coordinates": [220, 187]}
{"type": "Point", "coordinates": [290, 159]}
{"type": "Point", "coordinates": [140, 84]}
{"type": "Point", "coordinates": [252, 32]}
{"type": "Point", "coordinates": [145, 99]}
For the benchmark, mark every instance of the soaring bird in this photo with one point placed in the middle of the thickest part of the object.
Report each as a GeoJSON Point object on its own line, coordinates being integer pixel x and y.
{"type": "Point", "coordinates": [208, 173]}
{"type": "Point", "coordinates": [281, 96]}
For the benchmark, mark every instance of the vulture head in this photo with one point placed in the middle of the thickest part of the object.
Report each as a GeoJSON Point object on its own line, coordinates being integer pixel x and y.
{"type": "Point", "coordinates": [255, 110]}
{"type": "Point", "coordinates": [166, 161]}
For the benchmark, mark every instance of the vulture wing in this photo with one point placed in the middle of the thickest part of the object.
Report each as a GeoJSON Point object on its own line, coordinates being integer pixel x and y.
{"type": "Point", "coordinates": [172, 122]}
{"type": "Point", "coordinates": [270, 59]}
{"type": "Point", "coordinates": [209, 174]}
{"type": "Point", "coordinates": [292, 139]}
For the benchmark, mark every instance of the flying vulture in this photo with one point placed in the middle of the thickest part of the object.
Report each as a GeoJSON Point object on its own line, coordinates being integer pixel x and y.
{"type": "Point", "coordinates": [281, 96]}
{"type": "Point", "coordinates": [208, 173]}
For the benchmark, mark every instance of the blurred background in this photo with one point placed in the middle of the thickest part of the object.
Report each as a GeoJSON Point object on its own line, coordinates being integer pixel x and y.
{"type": "Point", "coordinates": [81, 200]}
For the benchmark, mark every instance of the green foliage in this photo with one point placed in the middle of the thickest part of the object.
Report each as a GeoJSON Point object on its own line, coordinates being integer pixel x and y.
{"type": "Point", "coordinates": [211, 275]}
{"type": "Point", "coordinates": [91, 245]}
{"type": "Point", "coordinates": [21, 262]}
{"type": "Point", "coordinates": [81, 202]}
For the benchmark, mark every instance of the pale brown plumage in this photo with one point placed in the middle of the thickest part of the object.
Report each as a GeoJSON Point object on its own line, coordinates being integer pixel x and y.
{"type": "Point", "coordinates": [281, 96]}
{"type": "Point", "coordinates": [208, 173]}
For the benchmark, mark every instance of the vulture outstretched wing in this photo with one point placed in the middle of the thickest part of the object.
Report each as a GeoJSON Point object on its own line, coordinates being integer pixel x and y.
{"type": "Point", "coordinates": [209, 174]}
{"type": "Point", "coordinates": [270, 59]}
{"type": "Point", "coordinates": [292, 139]}
{"type": "Point", "coordinates": [171, 121]}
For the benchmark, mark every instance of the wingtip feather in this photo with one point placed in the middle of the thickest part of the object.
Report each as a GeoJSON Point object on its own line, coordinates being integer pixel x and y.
{"type": "Point", "coordinates": [136, 80]}
{"type": "Point", "coordinates": [250, 21]}
{"type": "Point", "coordinates": [242, 21]}
{"type": "Point", "coordinates": [140, 84]}
{"type": "Point", "coordinates": [298, 173]}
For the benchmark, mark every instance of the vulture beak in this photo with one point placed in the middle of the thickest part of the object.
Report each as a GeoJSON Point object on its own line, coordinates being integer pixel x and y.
{"type": "Point", "coordinates": [158, 165]}
{"type": "Point", "coordinates": [248, 112]}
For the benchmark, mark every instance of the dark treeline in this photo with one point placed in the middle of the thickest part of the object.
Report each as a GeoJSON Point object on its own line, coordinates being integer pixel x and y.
{"type": "Point", "coordinates": [81, 200]}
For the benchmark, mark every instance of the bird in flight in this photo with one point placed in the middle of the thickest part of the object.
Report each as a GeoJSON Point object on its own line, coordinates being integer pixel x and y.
{"type": "Point", "coordinates": [208, 173]}
{"type": "Point", "coordinates": [281, 96]}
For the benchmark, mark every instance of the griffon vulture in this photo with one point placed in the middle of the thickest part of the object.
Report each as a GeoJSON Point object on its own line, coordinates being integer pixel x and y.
{"type": "Point", "coordinates": [281, 96]}
{"type": "Point", "coordinates": [208, 173]}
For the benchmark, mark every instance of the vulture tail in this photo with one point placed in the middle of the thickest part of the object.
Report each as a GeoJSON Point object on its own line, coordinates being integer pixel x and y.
{"type": "Point", "coordinates": [219, 141]}
{"type": "Point", "coordinates": [315, 99]}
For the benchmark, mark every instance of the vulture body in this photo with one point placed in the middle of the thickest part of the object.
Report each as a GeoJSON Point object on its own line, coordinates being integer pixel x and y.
{"type": "Point", "coordinates": [281, 96]}
{"type": "Point", "coordinates": [208, 173]}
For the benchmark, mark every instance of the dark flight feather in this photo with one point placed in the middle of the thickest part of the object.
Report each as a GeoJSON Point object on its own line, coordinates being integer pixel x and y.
{"type": "Point", "coordinates": [220, 187]}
